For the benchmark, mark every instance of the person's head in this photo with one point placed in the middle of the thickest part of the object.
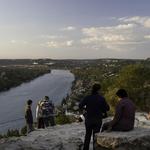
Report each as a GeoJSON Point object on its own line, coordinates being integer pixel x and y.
{"type": "Point", "coordinates": [121, 93]}
{"type": "Point", "coordinates": [29, 102]}
{"type": "Point", "coordinates": [96, 87]}
{"type": "Point", "coordinates": [46, 98]}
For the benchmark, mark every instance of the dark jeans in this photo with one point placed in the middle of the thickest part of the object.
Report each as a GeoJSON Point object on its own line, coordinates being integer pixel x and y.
{"type": "Point", "coordinates": [40, 122]}
{"type": "Point", "coordinates": [116, 127]}
{"type": "Point", "coordinates": [45, 120]}
{"type": "Point", "coordinates": [51, 121]}
{"type": "Point", "coordinates": [91, 128]}
{"type": "Point", "coordinates": [29, 127]}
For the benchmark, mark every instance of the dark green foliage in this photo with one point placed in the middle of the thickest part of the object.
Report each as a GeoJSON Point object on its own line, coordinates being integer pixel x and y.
{"type": "Point", "coordinates": [14, 76]}
{"type": "Point", "coordinates": [23, 130]}
{"type": "Point", "coordinates": [135, 79]}
{"type": "Point", "coordinates": [63, 119]}
{"type": "Point", "coordinates": [11, 133]}
{"type": "Point", "coordinates": [134, 76]}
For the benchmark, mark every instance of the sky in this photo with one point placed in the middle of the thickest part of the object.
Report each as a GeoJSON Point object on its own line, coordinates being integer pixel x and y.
{"type": "Point", "coordinates": [74, 29]}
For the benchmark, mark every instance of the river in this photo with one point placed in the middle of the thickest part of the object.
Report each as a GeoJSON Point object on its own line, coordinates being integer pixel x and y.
{"type": "Point", "coordinates": [56, 85]}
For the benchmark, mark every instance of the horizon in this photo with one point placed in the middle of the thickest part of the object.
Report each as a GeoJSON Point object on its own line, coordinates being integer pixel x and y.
{"type": "Point", "coordinates": [68, 29]}
{"type": "Point", "coordinates": [75, 58]}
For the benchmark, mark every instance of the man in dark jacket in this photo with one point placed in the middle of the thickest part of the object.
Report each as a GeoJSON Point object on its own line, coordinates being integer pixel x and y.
{"type": "Point", "coordinates": [47, 108]}
{"type": "Point", "coordinates": [29, 117]}
{"type": "Point", "coordinates": [124, 114]}
{"type": "Point", "coordinates": [95, 106]}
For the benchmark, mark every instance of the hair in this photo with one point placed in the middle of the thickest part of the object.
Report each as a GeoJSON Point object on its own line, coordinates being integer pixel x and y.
{"type": "Point", "coordinates": [29, 102]}
{"type": "Point", "coordinates": [46, 98]}
{"type": "Point", "coordinates": [121, 93]}
{"type": "Point", "coordinates": [96, 87]}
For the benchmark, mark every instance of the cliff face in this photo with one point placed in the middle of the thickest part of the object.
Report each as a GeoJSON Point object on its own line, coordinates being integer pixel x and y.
{"type": "Point", "coordinates": [71, 136]}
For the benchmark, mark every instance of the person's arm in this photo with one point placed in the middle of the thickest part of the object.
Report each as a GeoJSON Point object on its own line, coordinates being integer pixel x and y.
{"type": "Point", "coordinates": [27, 114]}
{"type": "Point", "coordinates": [118, 114]}
{"type": "Point", "coordinates": [82, 103]}
{"type": "Point", "coordinates": [37, 111]}
{"type": "Point", "coordinates": [105, 106]}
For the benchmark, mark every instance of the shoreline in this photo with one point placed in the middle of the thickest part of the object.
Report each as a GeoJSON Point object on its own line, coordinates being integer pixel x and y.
{"type": "Point", "coordinates": [10, 79]}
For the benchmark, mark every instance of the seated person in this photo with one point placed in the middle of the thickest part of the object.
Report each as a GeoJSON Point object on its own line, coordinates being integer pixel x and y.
{"type": "Point", "coordinates": [124, 114]}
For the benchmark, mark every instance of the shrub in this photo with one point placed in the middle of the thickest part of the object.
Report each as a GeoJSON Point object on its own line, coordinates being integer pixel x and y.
{"type": "Point", "coordinates": [63, 119]}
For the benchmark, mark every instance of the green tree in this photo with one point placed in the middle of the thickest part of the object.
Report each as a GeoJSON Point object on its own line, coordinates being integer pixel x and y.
{"type": "Point", "coordinates": [135, 79]}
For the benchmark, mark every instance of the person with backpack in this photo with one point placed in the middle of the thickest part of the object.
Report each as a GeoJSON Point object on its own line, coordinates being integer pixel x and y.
{"type": "Point", "coordinates": [95, 106]}
{"type": "Point", "coordinates": [47, 109]}
{"type": "Point", "coordinates": [51, 117]}
{"type": "Point", "coordinates": [29, 117]}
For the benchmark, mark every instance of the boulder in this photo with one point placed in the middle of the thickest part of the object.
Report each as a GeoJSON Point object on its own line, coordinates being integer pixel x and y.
{"type": "Point", "coordinates": [137, 139]}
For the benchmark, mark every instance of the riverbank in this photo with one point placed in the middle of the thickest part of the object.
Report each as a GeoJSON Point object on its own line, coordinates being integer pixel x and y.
{"type": "Point", "coordinates": [133, 77]}
{"type": "Point", "coordinates": [12, 76]}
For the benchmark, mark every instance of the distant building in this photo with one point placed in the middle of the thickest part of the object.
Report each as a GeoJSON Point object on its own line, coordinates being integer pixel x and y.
{"type": "Point", "coordinates": [35, 63]}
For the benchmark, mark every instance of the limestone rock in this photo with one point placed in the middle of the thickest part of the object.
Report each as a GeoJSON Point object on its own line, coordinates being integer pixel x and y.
{"type": "Point", "coordinates": [138, 139]}
{"type": "Point", "coordinates": [67, 137]}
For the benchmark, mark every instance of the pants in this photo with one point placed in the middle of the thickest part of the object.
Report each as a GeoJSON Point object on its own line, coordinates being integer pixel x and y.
{"type": "Point", "coordinates": [40, 122]}
{"type": "Point", "coordinates": [91, 128]}
{"type": "Point", "coordinates": [116, 127]}
{"type": "Point", "coordinates": [45, 120]}
{"type": "Point", "coordinates": [29, 127]}
{"type": "Point", "coordinates": [51, 121]}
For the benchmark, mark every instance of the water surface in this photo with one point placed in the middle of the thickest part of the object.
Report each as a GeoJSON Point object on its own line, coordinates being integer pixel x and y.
{"type": "Point", "coordinates": [56, 85]}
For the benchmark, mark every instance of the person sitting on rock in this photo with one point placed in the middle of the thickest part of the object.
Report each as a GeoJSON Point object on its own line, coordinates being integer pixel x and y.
{"type": "Point", "coordinates": [124, 114]}
{"type": "Point", "coordinates": [95, 105]}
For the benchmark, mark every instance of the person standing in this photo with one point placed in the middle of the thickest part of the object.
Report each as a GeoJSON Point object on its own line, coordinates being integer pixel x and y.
{"type": "Point", "coordinates": [51, 117]}
{"type": "Point", "coordinates": [95, 106]}
{"type": "Point", "coordinates": [29, 117]}
{"type": "Point", "coordinates": [39, 117]}
{"type": "Point", "coordinates": [47, 112]}
{"type": "Point", "coordinates": [124, 114]}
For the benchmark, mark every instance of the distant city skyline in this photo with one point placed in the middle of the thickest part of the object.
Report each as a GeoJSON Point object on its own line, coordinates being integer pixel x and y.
{"type": "Point", "coordinates": [74, 29]}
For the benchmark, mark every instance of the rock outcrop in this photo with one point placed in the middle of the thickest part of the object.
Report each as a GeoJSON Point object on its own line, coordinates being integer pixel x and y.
{"type": "Point", "coordinates": [66, 137]}
{"type": "Point", "coordinates": [137, 139]}
{"type": "Point", "coordinates": [71, 136]}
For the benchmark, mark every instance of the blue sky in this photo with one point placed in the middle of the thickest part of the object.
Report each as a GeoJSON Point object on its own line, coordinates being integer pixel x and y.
{"type": "Point", "coordinates": [74, 29]}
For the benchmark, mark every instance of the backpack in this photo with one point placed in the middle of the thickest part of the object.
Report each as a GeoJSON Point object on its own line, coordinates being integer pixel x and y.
{"type": "Point", "coordinates": [47, 109]}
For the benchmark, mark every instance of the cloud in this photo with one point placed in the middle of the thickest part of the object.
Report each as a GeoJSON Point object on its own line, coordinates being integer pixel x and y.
{"type": "Point", "coordinates": [129, 33]}
{"type": "Point", "coordinates": [52, 44]}
{"type": "Point", "coordinates": [119, 33]}
{"type": "Point", "coordinates": [147, 36]}
{"type": "Point", "coordinates": [69, 43]}
{"type": "Point", "coordinates": [52, 36]}
{"type": "Point", "coordinates": [58, 44]}
{"type": "Point", "coordinates": [13, 41]}
{"type": "Point", "coordinates": [144, 21]}
{"type": "Point", "coordinates": [126, 35]}
{"type": "Point", "coordinates": [69, 28]}
{"type": "Point", "coordinates": [18, 42]}
{"type": "Point", "coordinates": [126, 26]}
